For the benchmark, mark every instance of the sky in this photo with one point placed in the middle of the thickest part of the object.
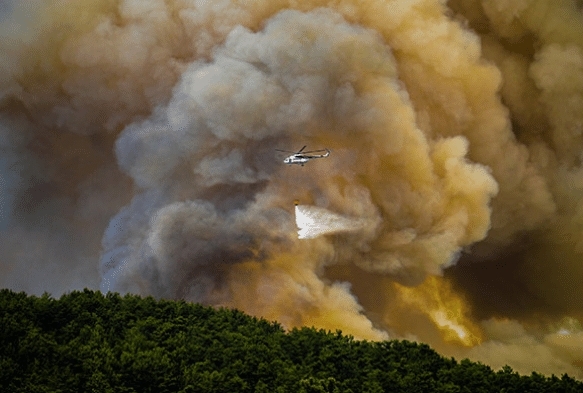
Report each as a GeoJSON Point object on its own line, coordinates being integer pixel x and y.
{"type": "Point", "coordinates": [137, 155]}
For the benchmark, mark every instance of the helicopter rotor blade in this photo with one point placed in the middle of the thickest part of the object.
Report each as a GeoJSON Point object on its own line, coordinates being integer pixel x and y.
{"type": "Point", "coordinates": [286, 151]}
{"type": "Point", "coordinates": [302, 149]}
{"type": "Point", "coordinates": [314, 151]}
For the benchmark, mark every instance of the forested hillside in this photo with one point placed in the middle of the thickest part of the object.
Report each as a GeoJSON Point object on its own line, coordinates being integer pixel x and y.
{"type": "Point", "coordinates": [90, 342]}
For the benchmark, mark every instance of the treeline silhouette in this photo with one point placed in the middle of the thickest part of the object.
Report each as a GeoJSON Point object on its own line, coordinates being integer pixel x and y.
{"type": "Point", "coordinates": [90, 342]}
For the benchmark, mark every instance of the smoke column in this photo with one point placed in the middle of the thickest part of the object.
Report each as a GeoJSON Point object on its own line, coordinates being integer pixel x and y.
{"type": "Point", "coordinates": [138, 155]}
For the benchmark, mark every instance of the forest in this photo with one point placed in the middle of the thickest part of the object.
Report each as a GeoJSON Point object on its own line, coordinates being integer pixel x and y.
{"type": "Point", "coordinates": [86, 341]}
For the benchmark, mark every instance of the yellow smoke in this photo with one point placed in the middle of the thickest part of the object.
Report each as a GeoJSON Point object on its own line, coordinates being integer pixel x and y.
{"type": "Point", "coordinates": [138, 144]}
{"type": "Point", "coordinates": [444, 308]}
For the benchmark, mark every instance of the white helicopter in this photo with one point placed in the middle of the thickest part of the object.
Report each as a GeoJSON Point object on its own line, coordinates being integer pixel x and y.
{"type": "Point", "coordinates": [301, 157]}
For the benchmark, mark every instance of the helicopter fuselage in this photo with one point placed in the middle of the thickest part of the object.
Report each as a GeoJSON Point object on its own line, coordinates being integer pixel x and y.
{"type": "Point", "coordinates": [296, 159]}
{"type": "Point", "coordinates": [301, 157]}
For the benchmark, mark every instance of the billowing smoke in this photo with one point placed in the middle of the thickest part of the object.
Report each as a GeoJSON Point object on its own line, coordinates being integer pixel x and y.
{"type": "Point", "coordinates": [138, 155]}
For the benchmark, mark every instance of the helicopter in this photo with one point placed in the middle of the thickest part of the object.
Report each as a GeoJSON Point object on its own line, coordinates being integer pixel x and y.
{"type": "Point", "coordinates": [301, 157]}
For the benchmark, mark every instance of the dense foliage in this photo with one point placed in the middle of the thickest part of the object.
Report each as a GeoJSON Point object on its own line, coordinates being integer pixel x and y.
{"type": "Point", "coordinates": [90, 342]}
